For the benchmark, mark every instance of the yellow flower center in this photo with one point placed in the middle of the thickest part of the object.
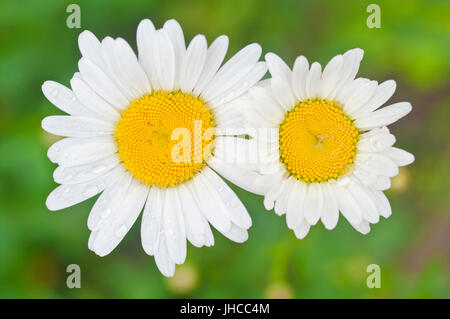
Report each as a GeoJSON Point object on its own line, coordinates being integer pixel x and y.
{"type": "Point", "coordinates": [317, 141]}
{"type": "Point", "coordinates": [164, 138]}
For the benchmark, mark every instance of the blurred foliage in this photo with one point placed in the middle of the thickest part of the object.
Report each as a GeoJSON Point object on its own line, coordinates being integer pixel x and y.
{"type": "Point", "coordinates": [412, 246]}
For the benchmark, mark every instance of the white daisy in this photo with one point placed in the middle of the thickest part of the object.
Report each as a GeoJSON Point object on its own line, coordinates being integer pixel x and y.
{"type": "Point", "coordinates": [333, 151]}
{"type": "Point", "coordinates": [123, 112]}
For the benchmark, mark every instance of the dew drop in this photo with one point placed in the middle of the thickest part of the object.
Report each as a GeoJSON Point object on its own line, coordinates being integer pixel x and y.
{"type": "Point", "coordinates": [55, 92]}
{"type": "Point", "coordinates": [376, 143]}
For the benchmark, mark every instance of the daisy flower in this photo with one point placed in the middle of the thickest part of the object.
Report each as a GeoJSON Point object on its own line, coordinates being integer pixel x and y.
{"type": "Point", "coordinates": [140, 131]}
{"type": "Point", "coordinates": [332, 151]}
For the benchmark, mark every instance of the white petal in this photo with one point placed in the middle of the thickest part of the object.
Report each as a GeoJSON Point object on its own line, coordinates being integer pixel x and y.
{"type": "Point", "coordinates": [384, 116]}
{"type": "Point", "coordinates": [232, 71]}
{"type": "Point", "coordinates": [350, 67]}
{"type": "Point", "coordinates": [382, 94]}
{"type": "Point", "coordinates": [90, 47]}
{"type": "Point", "coordinates": [214, 57]}
{"type": "Point", "coordinates": [277, 67]}
{"type": "Point", "coordinates": [282, 92]}
{"type": "Point", "coordinates": [195, 223]}
{"type": "Point", "coordinates": [176, 35]}
{"type": "Point", "coordinates": [151, 226]}
{"type": "Point", "coordinates": [375, 142]}
{"type": "Point", "coordinates": [363, 227]}
{"type": "Point", "coordinates": [398, 156]}
{"type": "Point", "coordinates": [382, 183]}
{"type": "Point", "coordinates": [299, 74]}
{"type": "Point", "coordinates": [376, 163]}
{"type": "Point", "coordinates": [163, 57]}
{"type": "Point", "coordinates": [92, 101]}
{"type": "Point", "coordinates": [145, 42]}
{"type": "Point", "coordinates": [174, 228]}
{"type": "Point", "coordinates": [365, 202]}
{"type": "Point", "coordinates": [274, 193]}
{"type": "Point", "coordinates": [206, 199]}
{"type": "Point", "coordinates": [113, 70]}
{"type": "Point", "coordinates": [244, 178]}
{"type": "Point", "coordinates": [330, 215]}
{"type": "Point", "coordinates": [281, 203]}
{"type": "Point", "coordinates": [63, 98]}
{"type": "Point", "coordinates": [250, 79]}
{"type": "Point", "coordinates": [382, 203]}
{"type": "Point", "coordinates": [312, 84]}
{"type": "Point", "coordinates": [302, 229]}
{"type": "Point", "coordinates": [235, 209]}
{"type": "Point", "coordinates": [266, 105]}
{"type": "Point", "coordinates": [237, 234]}
{"type": "Point", "coordinates": [114, 228]}
{"type": "Point", "coordinates": [364, 174]}
{"type": "Point", "coordinates": [330, 76]}
{"type": "Point", "coordinates": [85, 172]}
{"type": "Point", "coordinates": [192, 63]}
{"type": "Point", "coordinates": [229, 115]}
{"type": "Point", "coordinates": [295, 211]}
{"type": "Point", "coordinates": [349, 89]}
{"type": "Point", "coordinates": [347, 204]}
{"type": "Point", "coordinates": [101, 84]}
{"type": "Point", "coordinates": [77, 126]}
{"type": "Point", "coordinates": [128, 69]}
{"type": "Point", "coordinates": [163, 260]}
{"type": "Point", "coordinates": [70, 151]}
{"type": "Point", "coordinates": [313, 204]}
{"type": "Point", "coordinates": [108, 202]}
{"type": "Point", "coordinates": [360, 97]}
{"type": "Point", "coordinates": [68, 195]}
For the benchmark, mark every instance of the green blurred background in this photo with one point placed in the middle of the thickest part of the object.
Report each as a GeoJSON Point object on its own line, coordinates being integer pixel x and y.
{"type": "Point", "coordinates": [412, 247]}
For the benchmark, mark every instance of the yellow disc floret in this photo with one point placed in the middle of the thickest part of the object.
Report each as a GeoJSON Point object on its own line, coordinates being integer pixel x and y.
{"type": "Point", "coordinates": [164, 138]}
{"type": "Point", "coordinates": [317, 141]}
